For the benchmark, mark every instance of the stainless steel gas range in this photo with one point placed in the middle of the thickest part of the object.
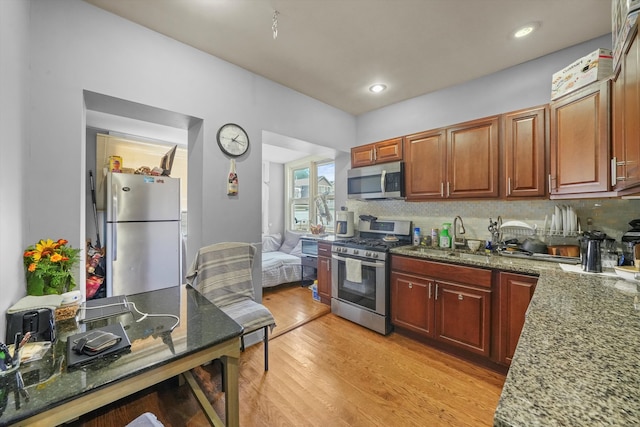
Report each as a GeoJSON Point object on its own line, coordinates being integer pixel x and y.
{"type": "Point", "coordinates": [360, 272]}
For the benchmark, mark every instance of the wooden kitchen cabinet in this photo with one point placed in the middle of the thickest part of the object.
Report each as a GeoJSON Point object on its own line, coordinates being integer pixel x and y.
{"type": "Point", "coordinates": [625, 111]}
{"type": "Point", "coordinates": [579, 143]}
{"type": "Point", "coordinates": [460, 161]}
{"type": "Point", "coordinates": [411, 303]}
{"type": "Point", "coordinates": [324, 272]}
{"type": "Point", "coordinates": [425, 165]}
{"type": "Point", "coordinates": [515, 293]}
{"type": "Point", "coordinates": [463, 316]}
{"type": "Point", "coordinates": [473, 159]}
{"type": "Point", "coordinates": [446, 302]}
{"type": "Point", "coordinates": [376, 153]}
{"type": "Point", "coordinates": [525, 148]}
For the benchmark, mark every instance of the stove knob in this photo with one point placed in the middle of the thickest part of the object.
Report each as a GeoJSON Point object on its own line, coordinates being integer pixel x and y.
{"type": "Point", "coordinates": [368, 254]}
{"type": "Point", "coordinates": [356, 252]}
{"type": "Point", "coordinates": [375, 254]}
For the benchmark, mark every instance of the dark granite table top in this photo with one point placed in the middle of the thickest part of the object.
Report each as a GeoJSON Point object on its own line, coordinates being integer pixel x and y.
{"type": "Point", "coordinates": [153, 344]}
{"type": "Point", "coordinates": [577, 359]}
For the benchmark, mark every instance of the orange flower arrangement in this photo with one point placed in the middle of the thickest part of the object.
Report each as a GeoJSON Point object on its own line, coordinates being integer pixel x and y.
{"type": "Point", "coordinates": [48, 267]}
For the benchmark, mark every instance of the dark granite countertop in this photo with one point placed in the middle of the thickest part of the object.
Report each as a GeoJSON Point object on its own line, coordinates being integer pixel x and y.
{"type": "Point", "coordinates": [576, 360]}
{"type": "Point", "coordinates": [49, 382]}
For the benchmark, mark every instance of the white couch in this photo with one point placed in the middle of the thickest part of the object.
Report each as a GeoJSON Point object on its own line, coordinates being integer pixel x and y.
{"type": "Point", "coordinates": [281, 259]}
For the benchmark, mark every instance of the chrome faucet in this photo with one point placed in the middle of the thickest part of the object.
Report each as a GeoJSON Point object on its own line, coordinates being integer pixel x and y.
{"type": "Point", "coordinates": [458, 241]}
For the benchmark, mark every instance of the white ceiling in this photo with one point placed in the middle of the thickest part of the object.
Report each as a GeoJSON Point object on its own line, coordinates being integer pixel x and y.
{"type": "Point", "coordinates": [333, 50]}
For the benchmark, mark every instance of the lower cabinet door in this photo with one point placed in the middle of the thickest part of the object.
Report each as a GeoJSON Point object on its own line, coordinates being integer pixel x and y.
{"type": "Point", "coordinates": [412, 303]}
{"type": "Point", "coordinates": [463, 316]}
{"type": "Point", "coordinates": [324, 279]}
{"type": "Point", "coordinates": [516, 291]}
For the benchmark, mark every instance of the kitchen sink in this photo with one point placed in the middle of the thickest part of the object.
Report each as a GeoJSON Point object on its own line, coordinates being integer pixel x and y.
{"type": "Point", "coordinates": [481, 257]}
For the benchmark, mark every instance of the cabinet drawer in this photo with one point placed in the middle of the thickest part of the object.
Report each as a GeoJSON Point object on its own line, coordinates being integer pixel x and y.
{"type": "Point", "coordinates": [443, 271]}
{"type": "Point", "coordinates": [324, 249]}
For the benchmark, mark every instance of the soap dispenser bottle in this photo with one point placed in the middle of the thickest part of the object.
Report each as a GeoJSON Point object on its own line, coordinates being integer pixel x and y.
{"type": "Point", "coordinates": [445, 239]}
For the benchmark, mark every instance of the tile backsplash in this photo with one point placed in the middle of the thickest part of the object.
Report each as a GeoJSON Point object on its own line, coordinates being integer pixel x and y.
{"type": "Point", "coordinates": [609, 215]}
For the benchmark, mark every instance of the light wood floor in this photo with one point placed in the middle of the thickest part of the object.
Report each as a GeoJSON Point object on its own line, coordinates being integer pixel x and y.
{"type": "Point", "coordinates": [292, 306]}
{"type": "Point", "coordinates": [330, 371]}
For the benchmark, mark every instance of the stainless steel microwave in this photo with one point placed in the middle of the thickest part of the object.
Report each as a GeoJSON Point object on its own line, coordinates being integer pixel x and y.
{"type": "Point", "coordinates": [385, 181]}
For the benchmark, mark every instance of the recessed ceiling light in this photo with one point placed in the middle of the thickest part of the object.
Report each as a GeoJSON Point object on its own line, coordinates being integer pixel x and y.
{"type": "Point", "coordinates": [525, 30]}
{"type": "Point", "coordinates": [377, 88]}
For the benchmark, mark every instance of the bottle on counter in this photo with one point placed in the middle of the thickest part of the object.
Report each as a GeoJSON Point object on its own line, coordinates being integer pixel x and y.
{"type": "Point", "coordinates": [435, 242]}
{"type": "Point", "coordinates": [416, 236]}
{"type": "Point", "coordinates": [445, 239]}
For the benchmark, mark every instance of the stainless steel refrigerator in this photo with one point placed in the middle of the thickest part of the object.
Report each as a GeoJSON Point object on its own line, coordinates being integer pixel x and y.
{"type": "Point", "coordinates": [142, 239]}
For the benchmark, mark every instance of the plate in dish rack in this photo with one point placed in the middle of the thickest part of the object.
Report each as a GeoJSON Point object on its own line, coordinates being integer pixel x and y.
{"type": "Point", "coordinates": [517, 228]}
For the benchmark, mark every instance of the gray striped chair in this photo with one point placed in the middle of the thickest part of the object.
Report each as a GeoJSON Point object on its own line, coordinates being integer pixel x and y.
{"type": "Point", "coordinates": [222, 273]}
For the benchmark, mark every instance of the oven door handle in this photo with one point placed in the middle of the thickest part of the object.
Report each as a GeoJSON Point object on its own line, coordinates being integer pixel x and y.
{"type": "Point", "coordinates": [365, 263]}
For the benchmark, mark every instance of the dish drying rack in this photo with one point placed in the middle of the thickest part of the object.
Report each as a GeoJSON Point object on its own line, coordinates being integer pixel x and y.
{"type": "Point", "coordinates": [522, 229]}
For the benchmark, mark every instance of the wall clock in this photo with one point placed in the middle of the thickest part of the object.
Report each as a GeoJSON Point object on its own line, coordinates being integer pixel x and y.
{"type": "Point", "coordinates": [233, 140]}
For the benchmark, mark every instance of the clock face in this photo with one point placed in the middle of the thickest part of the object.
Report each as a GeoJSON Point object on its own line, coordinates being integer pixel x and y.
{"type": "Point", "coordinates": [233, 140]}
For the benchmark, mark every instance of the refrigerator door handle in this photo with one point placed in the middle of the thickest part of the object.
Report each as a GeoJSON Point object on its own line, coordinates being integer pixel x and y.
{"type": "Point", "coordinates": [114, 240]}
{"type": "Point", "coordinates": [114, 202]}
{"type": "Point", "coordinates": [114, 213]}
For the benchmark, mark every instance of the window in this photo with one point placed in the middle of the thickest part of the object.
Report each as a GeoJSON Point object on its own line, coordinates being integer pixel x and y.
{"type": "Point", "coordinates": [311, 194]}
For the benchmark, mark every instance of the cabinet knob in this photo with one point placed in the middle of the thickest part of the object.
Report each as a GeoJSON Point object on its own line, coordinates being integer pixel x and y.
{"type": "Point", "coordinates": [410, 285]}
{"type": "Point", "coordinates": [460, 297]}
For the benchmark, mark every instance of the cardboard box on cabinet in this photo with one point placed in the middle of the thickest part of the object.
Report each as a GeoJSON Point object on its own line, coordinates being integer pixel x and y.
{"type": "Point", "coordinates": [595, 66]}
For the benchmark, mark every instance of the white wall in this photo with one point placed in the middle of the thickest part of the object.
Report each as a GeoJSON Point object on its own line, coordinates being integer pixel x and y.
{"type": "Point", "coordinates": [522, 86]}
{"type": "Point", "coordinates": [276, 198]}
{"type": "Point", "coordinates": [14, 71]}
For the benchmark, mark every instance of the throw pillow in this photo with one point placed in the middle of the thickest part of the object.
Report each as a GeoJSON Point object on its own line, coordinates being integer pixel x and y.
{"type": "Point", "coordinates": [290, 241]}
{"type": "Point", "coordinates": [271, 242]}
{"type": "Point", "coordinates": [297, 250]}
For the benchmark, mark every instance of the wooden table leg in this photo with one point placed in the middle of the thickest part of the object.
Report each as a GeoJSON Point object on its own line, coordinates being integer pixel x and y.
{"type": "Point", "coordinates": [231, 399]}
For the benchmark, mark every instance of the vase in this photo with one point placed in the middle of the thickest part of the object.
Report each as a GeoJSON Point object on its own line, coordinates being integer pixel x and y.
{"type": "Point", "coordinates": [44, 285]}
{"type": "Point", "coordinates": [35, 285]}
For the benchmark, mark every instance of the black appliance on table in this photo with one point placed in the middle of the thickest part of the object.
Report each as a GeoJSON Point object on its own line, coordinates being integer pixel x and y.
{"type": "Point", "coordinates": [629, 240]}
{"type": "Point", "coordinates": [360, 270]}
